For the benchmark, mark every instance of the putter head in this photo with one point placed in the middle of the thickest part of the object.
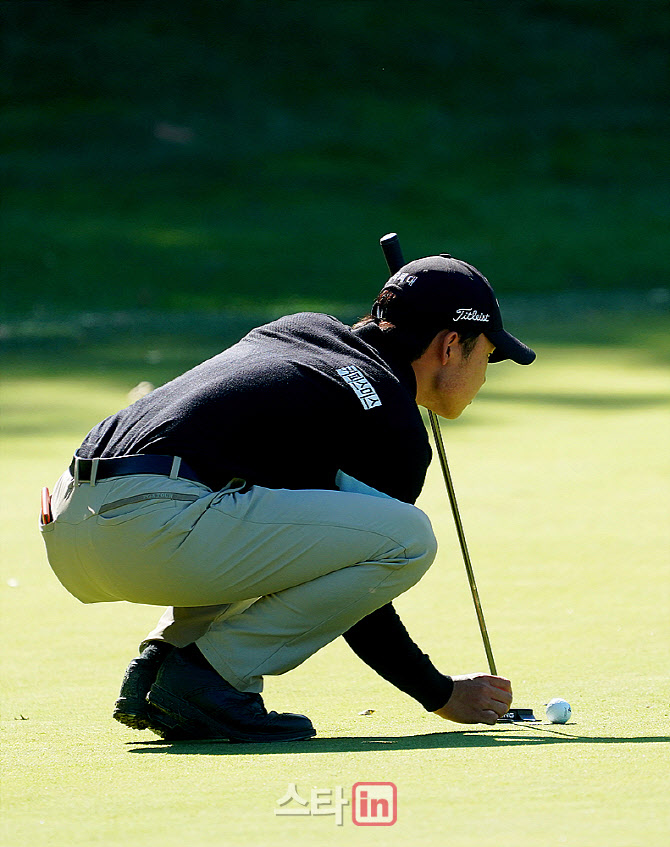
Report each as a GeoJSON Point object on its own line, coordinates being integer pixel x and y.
{"type": "Point", "coordinates": [519, 716]}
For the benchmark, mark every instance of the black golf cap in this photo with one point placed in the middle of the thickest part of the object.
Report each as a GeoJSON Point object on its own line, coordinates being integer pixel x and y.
{"type": "Point", "coordinates": [440, 292]}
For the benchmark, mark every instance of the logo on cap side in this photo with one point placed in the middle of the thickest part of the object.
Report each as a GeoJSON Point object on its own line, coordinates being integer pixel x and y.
{"type": "Point", "coordinates": [410, 279]}
{"type": "Point", "coordinates": [471, 315]}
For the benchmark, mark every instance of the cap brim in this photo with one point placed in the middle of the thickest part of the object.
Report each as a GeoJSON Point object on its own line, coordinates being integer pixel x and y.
{"type": "Point", "coordinates": [509, 347]}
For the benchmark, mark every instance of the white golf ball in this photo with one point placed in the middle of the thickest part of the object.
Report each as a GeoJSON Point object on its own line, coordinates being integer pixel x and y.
{"type": "Point", "coordinates": [558, 710]}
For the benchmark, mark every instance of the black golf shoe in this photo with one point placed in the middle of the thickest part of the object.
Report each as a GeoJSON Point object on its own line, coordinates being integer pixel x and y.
{"type": "Point", "coordinates": [198, 702]}
{"type": "Point", "coordinates": [167, 727]}
{"type": "Point", "coordinates": [132, 708]}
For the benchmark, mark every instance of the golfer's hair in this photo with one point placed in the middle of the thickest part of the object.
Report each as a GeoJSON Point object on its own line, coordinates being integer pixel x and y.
{"type": "Point", "coordinates": [415, 341]}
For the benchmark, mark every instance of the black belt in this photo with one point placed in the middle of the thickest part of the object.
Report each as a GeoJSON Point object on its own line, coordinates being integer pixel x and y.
{"type": "Point", "coordinates": [87, 470]}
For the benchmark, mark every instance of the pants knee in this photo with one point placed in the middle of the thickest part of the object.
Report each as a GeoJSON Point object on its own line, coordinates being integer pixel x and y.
{"type": "Point", "coordinates": [420, 546]}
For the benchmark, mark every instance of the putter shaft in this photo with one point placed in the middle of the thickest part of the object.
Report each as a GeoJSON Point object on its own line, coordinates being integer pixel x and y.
{"type": "Point", "coordinates": [442, 455]}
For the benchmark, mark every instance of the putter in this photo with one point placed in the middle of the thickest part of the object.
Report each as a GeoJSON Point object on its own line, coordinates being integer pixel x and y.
{"type": "Point", "coordinates": [390, 245]}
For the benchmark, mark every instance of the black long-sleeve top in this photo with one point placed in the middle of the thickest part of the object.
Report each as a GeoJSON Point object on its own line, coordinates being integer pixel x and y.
{"type": "Point", "coordinates": [288, 406]}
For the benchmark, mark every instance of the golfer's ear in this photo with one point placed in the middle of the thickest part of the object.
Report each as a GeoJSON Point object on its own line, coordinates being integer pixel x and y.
{"type": "Point", "coordinates": [448, 339]}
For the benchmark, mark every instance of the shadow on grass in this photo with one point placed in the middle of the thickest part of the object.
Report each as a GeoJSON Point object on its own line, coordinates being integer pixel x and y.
{"type": "Point", "coordinates": [466, 739]}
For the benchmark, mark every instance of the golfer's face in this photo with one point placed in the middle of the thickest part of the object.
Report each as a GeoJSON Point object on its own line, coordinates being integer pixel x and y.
{"type": "Point", "coordinates": [464, 377]}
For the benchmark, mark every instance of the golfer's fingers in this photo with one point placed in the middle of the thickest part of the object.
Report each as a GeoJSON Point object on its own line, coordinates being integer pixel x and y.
{"type": "Point", "coordinates": [499, 700]}
{"type": "Point", "coordinates": [497, 709]}
{"type": "Point", "coordinates": [502, 697]}
{"type": "Point", "coordinates": [501, 682]}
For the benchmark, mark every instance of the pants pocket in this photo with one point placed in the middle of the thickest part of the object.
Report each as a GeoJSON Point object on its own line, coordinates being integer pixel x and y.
{"type": "Point", "coordinates": [139, 506]}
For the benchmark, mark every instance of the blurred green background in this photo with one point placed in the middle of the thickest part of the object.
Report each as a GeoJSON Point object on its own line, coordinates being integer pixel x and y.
{"type": "Point", "coordinates": [246, 155]}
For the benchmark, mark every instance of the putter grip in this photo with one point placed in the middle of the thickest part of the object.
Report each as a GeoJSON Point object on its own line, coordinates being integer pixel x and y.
{"type": "Point", "coordinates": [390, 245]}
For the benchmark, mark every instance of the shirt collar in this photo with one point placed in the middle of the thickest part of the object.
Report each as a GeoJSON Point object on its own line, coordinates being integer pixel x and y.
{"type": "Point", "coordinates": [391, 352]}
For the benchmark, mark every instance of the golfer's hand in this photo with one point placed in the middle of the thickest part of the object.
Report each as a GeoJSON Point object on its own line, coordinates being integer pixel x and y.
{"type": "Point", "coordinates": [477, 698]}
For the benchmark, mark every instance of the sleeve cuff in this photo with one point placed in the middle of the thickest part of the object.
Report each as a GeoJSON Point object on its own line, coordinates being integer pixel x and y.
{"type": "Point", "coordinates": [438, 694]}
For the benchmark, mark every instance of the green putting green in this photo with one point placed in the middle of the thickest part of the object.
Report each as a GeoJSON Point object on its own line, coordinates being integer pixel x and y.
{"type": "Point", "coordinates": [561, 472]}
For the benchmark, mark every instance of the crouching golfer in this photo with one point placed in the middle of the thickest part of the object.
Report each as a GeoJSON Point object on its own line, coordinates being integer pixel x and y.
{"type": "Point", "coordinates": [266, 497]}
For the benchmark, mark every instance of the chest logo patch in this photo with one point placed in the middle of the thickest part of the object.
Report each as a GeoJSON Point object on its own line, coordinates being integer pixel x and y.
{"type": "Point", "coordinates": [361, 386]}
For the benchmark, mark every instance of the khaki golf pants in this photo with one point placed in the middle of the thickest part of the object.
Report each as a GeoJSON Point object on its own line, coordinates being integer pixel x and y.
{"type": "Point", "coordinates": [259, 579]}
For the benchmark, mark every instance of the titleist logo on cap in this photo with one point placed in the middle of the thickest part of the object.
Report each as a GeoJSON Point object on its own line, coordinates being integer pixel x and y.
{"type": "Point", "coordinates": [471, 315]}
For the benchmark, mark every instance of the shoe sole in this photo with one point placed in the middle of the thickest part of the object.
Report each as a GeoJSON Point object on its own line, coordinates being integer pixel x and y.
{"type": "Point", "coordinates": [142, 716]}
{"type": "Point", "coordinates": [182, 711]}
{"type": "Point", "coordinates": [132, 713]}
